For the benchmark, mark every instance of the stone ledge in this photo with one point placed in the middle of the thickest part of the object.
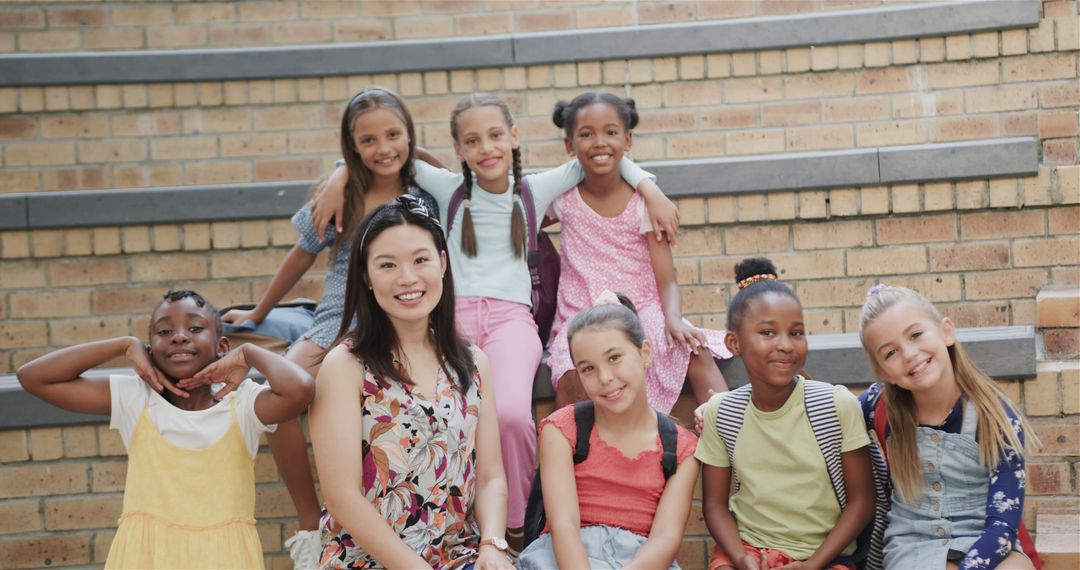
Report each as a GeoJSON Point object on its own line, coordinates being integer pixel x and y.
{"type": "Point", "coordinates": [1002, 352]}
{"type": "Point", "coordinates": [679, 178]}
{"type": "Point", "coordinates": [665, 40]}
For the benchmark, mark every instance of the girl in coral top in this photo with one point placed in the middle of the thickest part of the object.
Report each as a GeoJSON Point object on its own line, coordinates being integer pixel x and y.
{"type": "Point", "coordinates": [614, 509]}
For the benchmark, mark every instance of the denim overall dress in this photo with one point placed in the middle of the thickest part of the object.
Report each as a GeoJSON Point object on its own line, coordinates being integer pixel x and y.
{"type": "Point", "coordinates": [951, 513]}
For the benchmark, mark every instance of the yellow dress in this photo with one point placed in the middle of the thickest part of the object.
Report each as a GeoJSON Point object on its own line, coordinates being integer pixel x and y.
{"type": "Point", "coordinates": [187, 508]}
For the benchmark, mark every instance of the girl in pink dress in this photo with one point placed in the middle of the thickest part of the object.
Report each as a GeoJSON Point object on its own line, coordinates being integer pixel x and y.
{"type": "Point", "coordinates": [605, 246]}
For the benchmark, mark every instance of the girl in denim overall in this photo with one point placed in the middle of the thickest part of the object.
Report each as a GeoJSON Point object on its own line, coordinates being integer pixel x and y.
{"type": "Point", "coordinates": [955, 443]}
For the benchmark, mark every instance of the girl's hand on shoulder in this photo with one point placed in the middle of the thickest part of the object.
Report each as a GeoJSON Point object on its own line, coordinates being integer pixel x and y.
{"type": "Point", "coordinates": [139, 357]}
{"type": "Point", "coordinates": [329, 203]}
{"type": "Point", "coordinates": [239, 316]}
{"type": "Point", "coordinates": [492, 558]}
{"type": "Point", "coordinates": [231, 369]}
{"type": "Point", "coordinates": [662, 212]}
{"type": "Point", "coordinates": [699, 413]}
{"type": "Point", "coordinates": [691, 339]}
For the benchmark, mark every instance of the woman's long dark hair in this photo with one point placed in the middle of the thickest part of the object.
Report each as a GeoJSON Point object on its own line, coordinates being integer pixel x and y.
{"type": "Point", "coordinates": [372, 335]}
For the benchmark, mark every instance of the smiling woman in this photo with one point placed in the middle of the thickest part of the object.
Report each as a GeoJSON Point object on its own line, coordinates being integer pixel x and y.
{"type": "Point", "coordinates": [429, 463]}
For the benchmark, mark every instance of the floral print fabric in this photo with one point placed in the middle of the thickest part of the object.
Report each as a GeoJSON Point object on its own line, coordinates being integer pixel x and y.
{"type": "Point", "coordinates": [419, 460]}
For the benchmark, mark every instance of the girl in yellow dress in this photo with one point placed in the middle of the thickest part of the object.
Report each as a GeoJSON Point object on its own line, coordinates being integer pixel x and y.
{"type": "Point", "coordinates": [189, 499]}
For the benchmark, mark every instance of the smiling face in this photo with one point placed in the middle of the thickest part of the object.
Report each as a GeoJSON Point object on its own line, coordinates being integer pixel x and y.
{"type": "Point", "coordinates": [611, 368]}
{"type": "Point", "coordinates": [599, 138]}
{"type": "Point", "coordinates": [771, 339]}
{"type": "Point", "coordinates": [910, 348]}
{"type": "Point", "coordinates": [183, 339]}
{"type": "Point", "coordinates": [405, 272]}
{"type": "Point", "coordinates": [485, 141]}
{"type": "Point", "coordinates": [381, 138]}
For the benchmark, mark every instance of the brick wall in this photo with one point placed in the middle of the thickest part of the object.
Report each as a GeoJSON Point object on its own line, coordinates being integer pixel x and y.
{"type": "Point", "coordinates": [982, 249]}
{"type": "Point", "coordinates": [89, 26]}
{"type": "Point", "coordinates": [986, 85]}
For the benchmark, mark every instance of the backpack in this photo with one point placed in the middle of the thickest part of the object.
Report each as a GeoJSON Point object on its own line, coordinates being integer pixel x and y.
{"type": "Point", "coordinates": [1027, 545]}
{"type": "Point", "coordinates": [584, 416]}
{"type": "Point", "coordinates": [824, 423]}
{"type": "Point", "coordinates": [541, 257]}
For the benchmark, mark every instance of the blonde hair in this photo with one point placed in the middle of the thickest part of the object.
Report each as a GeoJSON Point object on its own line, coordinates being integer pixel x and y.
{"type": "Point", "coordinates": [996, 432]}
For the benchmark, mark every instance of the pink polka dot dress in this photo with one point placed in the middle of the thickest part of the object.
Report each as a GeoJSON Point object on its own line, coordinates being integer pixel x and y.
{"type": "Point", "coordinates": [599, 254]}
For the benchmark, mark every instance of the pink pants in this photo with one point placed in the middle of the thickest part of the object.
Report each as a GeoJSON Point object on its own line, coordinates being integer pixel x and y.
{"type": "Point", "coordinates": [506, 332]}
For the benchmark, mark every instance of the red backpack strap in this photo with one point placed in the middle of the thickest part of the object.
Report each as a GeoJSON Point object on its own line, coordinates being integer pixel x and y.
{"type": "Point", "coordinates": [1027, 545]}
{"type": "Point", "coordinates": [881, 419]}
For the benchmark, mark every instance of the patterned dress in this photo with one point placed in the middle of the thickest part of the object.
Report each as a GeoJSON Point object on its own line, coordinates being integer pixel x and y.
{"type": "Point", "coordinates": [599, 254]}
{"type": "Point", "coordinates": [419, 471]}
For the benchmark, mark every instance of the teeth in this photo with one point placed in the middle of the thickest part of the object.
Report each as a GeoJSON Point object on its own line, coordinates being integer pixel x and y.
{"type": "Point", "coordinates": [410, 296]}
{"type": "Point", "coordinates": [919, 369]}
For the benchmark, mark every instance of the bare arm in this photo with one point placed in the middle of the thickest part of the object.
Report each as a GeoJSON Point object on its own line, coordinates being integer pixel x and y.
{"type": "Point", "coordinates": [329, 202]}
{"type": "Point", "coordinates": [662, 212]}
{"type": "Point", "coordinates": [491, 491]}
{"type": "Point", "coordinates": [291, 387]}
{"type": "Point", "coordinates": [335, 423]}
{"type": "Point", "coordinates": [669, 522]}
{"type": "Point", "coordinates": [561, 498]}
{"type": "Point", "coordinates": [295, 265]}
{"type": "Point", "coordinates": [426, 156]}
{"type": "Point", "coordinates": [859, 483]}
{"type": "Point", "coordinates": [671, 299]}
{"type": "Point", "coordinates": [58, 377]}
{"type": "Point", "coordinates": [715, 492]}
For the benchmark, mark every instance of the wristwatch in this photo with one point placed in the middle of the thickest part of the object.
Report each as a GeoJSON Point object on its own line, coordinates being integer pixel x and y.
{"type": "Point", "coordinates": [496, 541]}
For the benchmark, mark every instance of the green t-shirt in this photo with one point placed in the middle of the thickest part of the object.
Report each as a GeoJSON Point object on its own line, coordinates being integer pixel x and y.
{"type": "Point", "coordinates": [785, 500]}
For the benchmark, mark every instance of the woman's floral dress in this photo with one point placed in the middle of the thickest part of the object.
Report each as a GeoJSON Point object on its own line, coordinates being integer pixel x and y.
{"type": "Point", "coordinates": [419, 471]}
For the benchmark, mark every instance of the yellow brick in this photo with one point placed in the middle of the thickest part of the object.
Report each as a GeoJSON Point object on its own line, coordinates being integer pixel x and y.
{"type": "Point", "coordinates": [931, 49]}
{"type": "Point", "coordinates": [134, 96]}
{"type": "Point", "coordinates": [106, 241]}
{"type": "Point", "coordinates": [938, 196]}
{"type": "Point", "coordinates": [31, 99]}
{"type": "Point", "coordinates": [664, 69]}
{"type": "Point", "coordinates": [750, 207]}
{"type": "Point", "coordinates": [15, 244]}
{"type": "Point", "coordinates": [46, 444]}
{"type": "Point", "coordinates": [957, 47]}
{"type": "Point", "coordinates": [985, 44]}
{"type": "Point", "coordinates": [1013, 42]}
{"type": "Point", "coordinates": [718, 65]}
{"type": "Point", "coordinates": [844, 202]}
{"type": "Point", "coordinates": [108, 96]}
{"type": "Point", "coordinates": [721, 209]}
{"type": "Point", "coordinates": [904, 52]}
{"type": "Point", "coordinates": [47, 243]}
{"type": "Point", "coordinates": [849, 56]}
{"type": "Point", "coordinates": [225, 235]}
{"type": "Point", "coordinates": [743, 64]}
{"type": "Point", "coordinates": [874, 200]}
{"type": "Point", "coordinates": [1041, 39]}
{"type": "Point", "coordinates": [135, 238]}
{"type": "Point", "coordinates": [1003, 193]}
{"type": "Point", "coordinates": [781, 205]}
{"type": "Point", "coordinates": [812, 204]}
{"type": "Point", "coordinates": [905, 198]}
{"type": "Point", "coordinates": [797, 59]}
{"type": "Point", "coordinates": [285, 91]}
{"type": "Point", "coordinates": [690, 67]}
{"type": "Point", "coordinates": [13, 446]}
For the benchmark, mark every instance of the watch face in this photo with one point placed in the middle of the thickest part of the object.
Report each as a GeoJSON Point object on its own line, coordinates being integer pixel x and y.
{"type": "Point", "coordinates": [499, 542]}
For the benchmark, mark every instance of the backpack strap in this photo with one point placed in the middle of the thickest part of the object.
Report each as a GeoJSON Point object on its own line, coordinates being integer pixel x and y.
{"type": "Point", "coordinates": [451, 209]}
{"type": "Point", "coordinates": [669, 443]}
{"type": "Point", "coordinates": [825, 423]}
{"type": "Point", "coordinates": [729, 421]}
{"type": "Point", "coordinates": [584, 417]}
{"type": "Point", "coordinates": [532, 231]}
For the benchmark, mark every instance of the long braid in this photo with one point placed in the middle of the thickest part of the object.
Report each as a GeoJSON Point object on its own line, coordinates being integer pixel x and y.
{"type": "Point", "coordinates": [468, 232]}
{"type": "Point", "coordinates": [517, 218]}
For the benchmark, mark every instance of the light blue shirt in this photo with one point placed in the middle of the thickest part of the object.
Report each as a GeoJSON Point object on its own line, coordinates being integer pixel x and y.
{"type": "Point", "coordinates": [496, 272]}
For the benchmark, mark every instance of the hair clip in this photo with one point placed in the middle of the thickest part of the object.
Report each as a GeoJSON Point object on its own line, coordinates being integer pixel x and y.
{"type": "Point", "coordinates": [754, 279]}
{"type": "Point", "coordinates": [606, 298]}
{"type": "Point", "coordinates": [875, 290]}
{"type": "Point", "coordinates": [412, 204]}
